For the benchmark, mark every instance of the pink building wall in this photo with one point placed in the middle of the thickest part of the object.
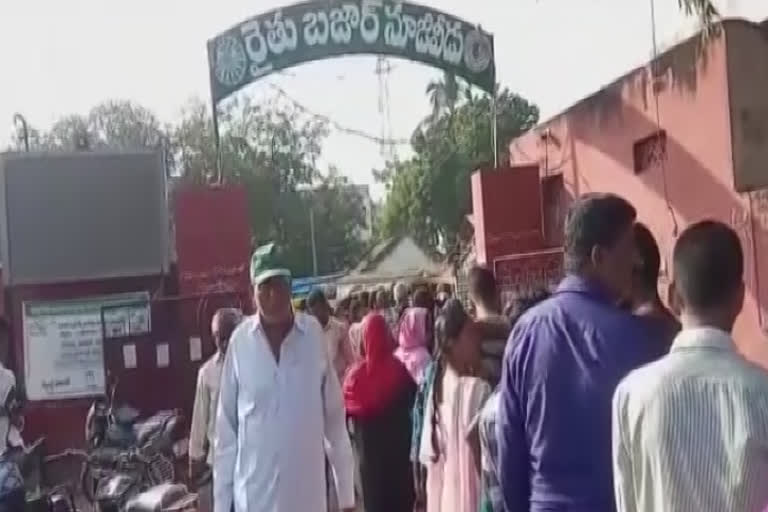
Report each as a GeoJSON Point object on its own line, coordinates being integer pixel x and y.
{"type": "Point", "coordinates": [591, 147]}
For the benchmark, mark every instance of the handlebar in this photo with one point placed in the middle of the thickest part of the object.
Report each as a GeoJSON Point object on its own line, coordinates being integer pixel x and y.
{"type": "Point", "coordinates": [129, 456]}
{"type": "Point", "coordinates": [82, 454]}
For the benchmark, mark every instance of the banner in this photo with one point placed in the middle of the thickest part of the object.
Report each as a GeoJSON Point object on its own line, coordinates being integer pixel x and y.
{"type": "Point", "coordinates": [521, 273]}
{"type": "Point", "coordinates": [320, 29]}
{"type": "Point", "coordinates": [64, 342]}
{"type": "Point", "coordinates": [202, 270]}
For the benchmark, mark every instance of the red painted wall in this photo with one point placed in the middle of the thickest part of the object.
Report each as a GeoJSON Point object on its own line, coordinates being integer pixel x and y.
{"type": "Point", "coordinates": [68, 416]}
{"type": "Point", "coordinates": [591, 147]}
{"type": "Point", "coordinates": [213, 238]}
{"type": "Point", "coordinates": [146, 387]}
{"type": "Point", "coordinates": [213, 248]}
{"type": "Point", "coordinates": [526, 272]}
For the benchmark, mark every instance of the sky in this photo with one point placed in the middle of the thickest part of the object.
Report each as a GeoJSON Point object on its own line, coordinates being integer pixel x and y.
{"type": "Point", "coordinates": [62, 57]}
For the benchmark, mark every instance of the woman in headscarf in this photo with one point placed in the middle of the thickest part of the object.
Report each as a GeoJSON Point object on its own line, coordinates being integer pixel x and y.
{"type": "Point", "coordinates": [413, 340]}
{"type": "Point", "coordinates": [447, 449]}
{"type": "Point", "coordinates": [12, 492]}
{"type": "Point", "coordinates": [378, 394]}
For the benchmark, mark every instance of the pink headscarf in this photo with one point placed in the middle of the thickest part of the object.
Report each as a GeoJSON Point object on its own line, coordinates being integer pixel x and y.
{"type": "Point", "coordinates": [412, 341]}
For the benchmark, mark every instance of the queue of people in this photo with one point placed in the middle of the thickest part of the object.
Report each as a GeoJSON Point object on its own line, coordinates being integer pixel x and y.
{"type": "Point", "coordinates": [590, 397]}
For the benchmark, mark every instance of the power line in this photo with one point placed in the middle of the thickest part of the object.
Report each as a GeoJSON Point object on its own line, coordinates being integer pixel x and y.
{"type": "Point", "coordinates": [384, 141]}
{"type": "Point", "coordinates": [655, 91]}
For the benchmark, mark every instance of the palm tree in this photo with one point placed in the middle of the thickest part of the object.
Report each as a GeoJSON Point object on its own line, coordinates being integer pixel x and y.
{"type": "Point", "coordinates": [443, 95]}
{"type": "Point", "coordinates": [704, 10]}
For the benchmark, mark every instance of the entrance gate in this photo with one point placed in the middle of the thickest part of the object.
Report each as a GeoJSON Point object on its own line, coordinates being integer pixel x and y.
{"type": "Point", "coordinates": [321, 29]}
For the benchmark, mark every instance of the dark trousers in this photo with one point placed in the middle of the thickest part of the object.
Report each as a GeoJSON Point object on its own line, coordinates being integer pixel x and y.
{"type": "Point", "coordinates": [14, 501]}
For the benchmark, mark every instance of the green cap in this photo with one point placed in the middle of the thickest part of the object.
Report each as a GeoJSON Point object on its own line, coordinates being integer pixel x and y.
{"type": "Point", "coordinates": [264, 264]}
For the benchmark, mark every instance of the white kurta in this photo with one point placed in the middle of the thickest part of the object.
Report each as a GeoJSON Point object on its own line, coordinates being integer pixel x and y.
{"type": "Point", "coordinates": [203, 427]}
{"type": "Point", "coordinates": [276, 421]}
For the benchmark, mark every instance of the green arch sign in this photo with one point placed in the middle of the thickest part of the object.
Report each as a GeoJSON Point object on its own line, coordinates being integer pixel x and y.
{"type": "Point", "coordinates": [320, 29]}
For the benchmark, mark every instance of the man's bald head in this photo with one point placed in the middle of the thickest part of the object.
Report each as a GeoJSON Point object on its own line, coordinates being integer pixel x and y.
{"type": "Point", "coordinates": [223, 324]}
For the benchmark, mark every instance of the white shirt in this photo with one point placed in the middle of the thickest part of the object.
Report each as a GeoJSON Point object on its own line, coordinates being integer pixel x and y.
{"type": "Point", "coordinates": [201, 435]}
{"type": "Point", "coordinates": [273, 420]}
{"type": "Point", "coordinates": [690, 431]}
{"type": "Point", "coordinates": [337, 344]}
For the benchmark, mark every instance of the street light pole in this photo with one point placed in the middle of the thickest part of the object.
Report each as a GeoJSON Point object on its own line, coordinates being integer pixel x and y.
{"type": "Point", "coordinates": [312, 235]}
{"type": "Point", "coordinates": [307, 192]}
{"type": "Point", "coordinates": [19, 119]}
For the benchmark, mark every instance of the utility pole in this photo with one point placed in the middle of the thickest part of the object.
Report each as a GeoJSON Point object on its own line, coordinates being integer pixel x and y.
{"type": "Point", "coordinates": [308, 193]}
{"type": "Point", "coordinates": [312, 235]}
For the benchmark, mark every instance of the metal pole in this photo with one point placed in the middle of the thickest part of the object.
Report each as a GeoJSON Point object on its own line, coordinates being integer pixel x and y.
{"type": "Point", "coordinates": [494, 128]}
{"type": "Point", "coordinates": [312, 235]}
{"type": "Point", "coordinates": [19, 119]}
{"type": "Point", "coordinates": [215, 115]}
{"type": "Point", "coordinates": [217, 142]}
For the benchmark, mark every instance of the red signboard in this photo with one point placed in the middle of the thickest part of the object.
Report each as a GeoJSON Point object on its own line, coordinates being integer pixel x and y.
{"type": "Point", "coordinates": [518, 273]}
{"type": "Point", "coordinates": [213, 239]}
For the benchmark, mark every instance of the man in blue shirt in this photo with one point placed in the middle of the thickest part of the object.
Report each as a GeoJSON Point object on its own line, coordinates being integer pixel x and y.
{"type": "Point", "coordinates": [561, 366]}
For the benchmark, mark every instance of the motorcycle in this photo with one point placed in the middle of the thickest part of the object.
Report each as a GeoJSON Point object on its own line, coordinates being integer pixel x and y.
{"type": "Point", "coordinates": [121, 447]}
{"type": "Point", "coordinates": [110, 476]}
{"type": "Point", "coordinates": [40, 497]}
{"type": "Point", "coordinates": [109, 425]}
{"type": "Point", "coordinates": [57, 499]}
{"type": "Point", "coordinates": [163, 498]}
{"type": "Point", "coordinates": [130, 484]}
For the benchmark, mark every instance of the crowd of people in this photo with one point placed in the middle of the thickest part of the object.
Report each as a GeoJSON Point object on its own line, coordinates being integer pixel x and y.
{"type": "Point", "coordinates": [593, 396]}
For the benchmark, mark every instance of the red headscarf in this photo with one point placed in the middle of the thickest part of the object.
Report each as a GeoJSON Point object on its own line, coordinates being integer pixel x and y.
{"type": "Point", "coordinates": [372, 384]}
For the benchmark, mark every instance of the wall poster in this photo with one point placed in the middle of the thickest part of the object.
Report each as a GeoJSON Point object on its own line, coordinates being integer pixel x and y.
{"type": "Point", "coordinates": [523, 273]}
{"type": "Point", "coordinates": [63, 343]}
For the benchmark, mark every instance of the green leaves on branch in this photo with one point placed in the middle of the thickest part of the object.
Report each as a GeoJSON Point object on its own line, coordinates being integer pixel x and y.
{"type": "Point", "coordinates": [429, 194]}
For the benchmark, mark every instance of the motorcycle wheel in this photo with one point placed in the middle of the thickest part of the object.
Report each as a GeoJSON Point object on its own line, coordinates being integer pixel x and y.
{"type": "Point", "coordinates": [88, 483]}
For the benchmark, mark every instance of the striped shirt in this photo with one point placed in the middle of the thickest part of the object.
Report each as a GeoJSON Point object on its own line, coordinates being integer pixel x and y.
{"type": "Point", "coordinates": [690, 431]}
{"type": "Point", "coordinates": [493, 501]}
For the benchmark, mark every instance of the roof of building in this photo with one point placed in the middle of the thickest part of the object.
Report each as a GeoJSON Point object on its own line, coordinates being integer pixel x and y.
{"type": "Point", "coordinates": [666, 62]}
{"type": "Point", "coordinates": [381, 250]}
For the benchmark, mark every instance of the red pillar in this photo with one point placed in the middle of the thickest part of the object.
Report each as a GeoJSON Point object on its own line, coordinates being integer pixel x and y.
{"type": "Point", "coordinates": [507, 212]}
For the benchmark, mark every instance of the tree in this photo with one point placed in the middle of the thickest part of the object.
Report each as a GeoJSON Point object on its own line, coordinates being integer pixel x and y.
{"type": "Point", "coordinates": [704, 10]}
{"type": "Point", "coordinates": [65, 134]}
{"type": "Point", "coordinates": [443, 95]}
{"type": "Point", "coordinates": [124, 125]}
{"type": "Point", "coordinates": [429, 194]}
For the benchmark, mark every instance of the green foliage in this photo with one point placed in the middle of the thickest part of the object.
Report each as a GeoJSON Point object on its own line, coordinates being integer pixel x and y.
{"type": "Point", "coordinates": [270, 148]}
{"type": "Point", "coordinates": [429, 194]}
{"type": "Point", "coordinates": [704, 10]}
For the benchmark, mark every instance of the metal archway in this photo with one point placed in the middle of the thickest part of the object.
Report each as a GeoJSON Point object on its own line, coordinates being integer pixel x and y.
{"type": "Point", "coordinates": [321, 29]}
